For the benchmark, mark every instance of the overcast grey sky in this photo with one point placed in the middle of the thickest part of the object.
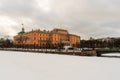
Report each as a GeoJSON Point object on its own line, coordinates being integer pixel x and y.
{"type": "Point", "coordinates": [96, 18]}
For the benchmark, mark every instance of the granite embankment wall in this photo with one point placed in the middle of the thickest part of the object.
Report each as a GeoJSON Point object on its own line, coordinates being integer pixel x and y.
{"type": "Point", "coordinates": [54, 51]}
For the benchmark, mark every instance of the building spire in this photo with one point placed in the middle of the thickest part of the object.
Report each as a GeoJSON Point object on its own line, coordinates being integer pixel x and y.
{"type": "Point", "coordinates": [23, 30]}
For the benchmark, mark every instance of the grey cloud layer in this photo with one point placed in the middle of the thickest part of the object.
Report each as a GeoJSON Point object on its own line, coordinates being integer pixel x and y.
{"type": "Point", "coordinates": [97, 18]}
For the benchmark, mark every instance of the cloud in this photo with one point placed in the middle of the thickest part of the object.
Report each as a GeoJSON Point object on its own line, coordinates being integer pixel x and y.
{"type": "Point", "coordinates": [83, 17]}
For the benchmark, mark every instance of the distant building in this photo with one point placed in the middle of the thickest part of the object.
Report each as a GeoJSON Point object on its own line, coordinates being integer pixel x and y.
{"type": "Point", "coordinates": [56, 38]}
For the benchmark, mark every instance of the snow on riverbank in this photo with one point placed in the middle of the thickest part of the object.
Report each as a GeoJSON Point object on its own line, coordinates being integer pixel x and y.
{"type": "Point", "coordinates": [27, 66]}
{"type": "Point", "coordinates": [111, 54]}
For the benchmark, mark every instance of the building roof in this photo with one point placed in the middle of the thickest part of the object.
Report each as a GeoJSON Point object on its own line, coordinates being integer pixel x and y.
{"type": "Point", "coordinates": [20, 33]}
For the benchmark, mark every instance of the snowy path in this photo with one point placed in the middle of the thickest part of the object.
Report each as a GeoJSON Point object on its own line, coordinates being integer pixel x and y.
{"type": "Point", "coordinates": [27, 66]}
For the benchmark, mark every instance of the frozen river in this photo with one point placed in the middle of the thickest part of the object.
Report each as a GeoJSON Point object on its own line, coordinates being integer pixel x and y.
{"type": "Point", "coordinates": [27, 66]}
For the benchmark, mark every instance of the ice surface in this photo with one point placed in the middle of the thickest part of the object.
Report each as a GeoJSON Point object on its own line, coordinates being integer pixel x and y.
{"type": "Point", "coordinates": [31, 66]}
{"type": "Point", "coordinates": [111, 54]}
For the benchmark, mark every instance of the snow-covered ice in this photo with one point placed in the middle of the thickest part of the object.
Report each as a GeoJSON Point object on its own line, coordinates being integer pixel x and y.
{"type": "Point", "coordinates": [111, 54]}
{"type": "Point", "coordinates": [31, 66]}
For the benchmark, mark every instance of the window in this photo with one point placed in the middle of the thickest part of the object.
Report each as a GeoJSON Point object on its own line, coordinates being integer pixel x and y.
{"type": "Point", "coordinates": [41, 38]}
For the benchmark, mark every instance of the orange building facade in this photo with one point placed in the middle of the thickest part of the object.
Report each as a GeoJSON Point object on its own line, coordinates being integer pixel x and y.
{"type": "Point", "coordinates": [55, 38]}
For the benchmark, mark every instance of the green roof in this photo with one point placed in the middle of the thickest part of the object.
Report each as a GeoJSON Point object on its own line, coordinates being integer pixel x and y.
{"type": "Point", "coordinates": [20, 33]}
